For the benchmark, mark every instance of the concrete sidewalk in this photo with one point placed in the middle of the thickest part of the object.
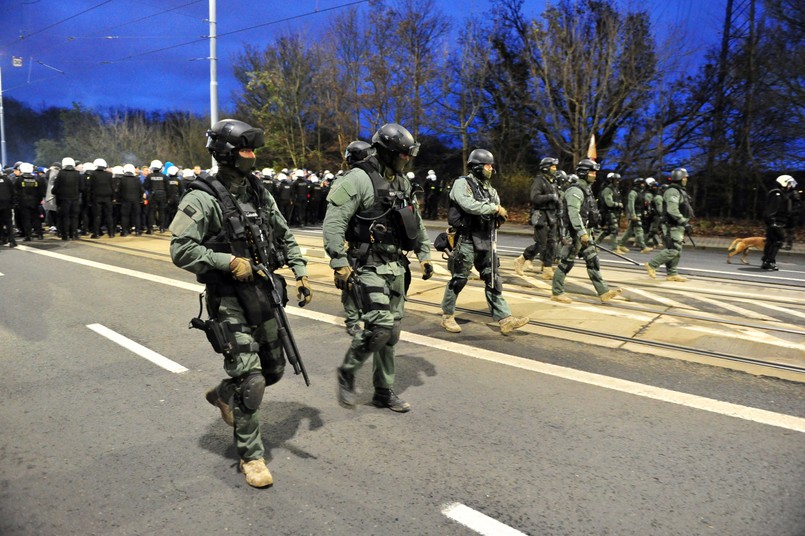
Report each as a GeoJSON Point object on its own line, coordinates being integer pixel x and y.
{"type": "Point", "coordinates": [702, 242]}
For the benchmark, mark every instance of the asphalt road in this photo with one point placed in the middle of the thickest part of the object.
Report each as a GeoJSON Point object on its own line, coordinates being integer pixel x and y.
{"type": "Point", "coordinates": [98, 440]}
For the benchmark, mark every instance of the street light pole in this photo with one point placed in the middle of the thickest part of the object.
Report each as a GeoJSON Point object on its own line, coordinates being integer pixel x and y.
{"type": "Point", "coordinates": [213, 69]}
{"type": "Point", "coordinates": [2, 125]}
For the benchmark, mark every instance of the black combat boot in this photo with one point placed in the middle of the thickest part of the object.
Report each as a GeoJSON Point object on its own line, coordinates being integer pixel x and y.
{"type": "Point", "coordinates": [346, 388]}
{"type": "Point", "coordinates": [386, 398]}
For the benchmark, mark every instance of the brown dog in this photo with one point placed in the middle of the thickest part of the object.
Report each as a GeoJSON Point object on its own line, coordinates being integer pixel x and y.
{"type": "Point", "coordinates": [742, 245]}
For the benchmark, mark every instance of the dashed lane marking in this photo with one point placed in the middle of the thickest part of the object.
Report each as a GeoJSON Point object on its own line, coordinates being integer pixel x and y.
{"type": "Point", "coordinates": [480, 523]}
{"type": "Point", "coordinates": [654, 297]}
{"type": "Point", "coordinates": [770, 418]}
{"type": "Point", "coordinates": [137, 348]}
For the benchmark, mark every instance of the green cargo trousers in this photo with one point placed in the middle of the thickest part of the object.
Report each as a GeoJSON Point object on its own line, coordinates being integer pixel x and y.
{"type": "Point", "coordinates": [384, 306]}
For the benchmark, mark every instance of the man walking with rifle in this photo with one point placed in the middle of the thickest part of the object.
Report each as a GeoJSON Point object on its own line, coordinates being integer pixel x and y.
{"type": "Point", "coordinates": [230, 233]}
{"type": "Point", "coordinates": [373, 208]}
{"type": "Point", "coordinates": [678, 212]}
{"type": "Point", "coordinates": [475, 212]}
{"type": "Point", "coordinates": [581, 215]}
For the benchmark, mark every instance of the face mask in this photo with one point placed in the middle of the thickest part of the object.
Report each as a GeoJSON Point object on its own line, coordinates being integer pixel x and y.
{"type": "Point", "coordinates": [398, 164]}
{"type": "Point", "coordinates": [244, 165]}
{"type": "Point", "coordinates": [488, 173]}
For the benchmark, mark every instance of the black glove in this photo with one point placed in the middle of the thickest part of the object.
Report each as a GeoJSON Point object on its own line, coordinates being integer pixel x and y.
{"type": "Point", "coordinates": [688, 229]}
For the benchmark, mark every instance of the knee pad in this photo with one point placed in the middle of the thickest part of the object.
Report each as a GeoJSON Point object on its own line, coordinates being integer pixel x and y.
{"type": "Point", "coordinates": [591, 258]}
{"type": "Point", "coordinates": [250, 392]}
{"type": "Point", "coordinates": [396, 329]}
{"type": "Point", "coordinates": [457, 284]}
{"type": "Point", "coordinates": [566, 265]}
{"type": "Point", "coordinates": [376, 337]}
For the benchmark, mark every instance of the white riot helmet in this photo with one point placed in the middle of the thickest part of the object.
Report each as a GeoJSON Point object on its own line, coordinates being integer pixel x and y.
{"type": "Point", "coordinates": [266, 172]}
{"type": "Point", "coordinates": [173, 171]}
{"type": "Point", "coordinates": [410, 175]}
{"type": "Point", "coordinates": [117, 170]}
{"type": "Point", "coordinates": [99, 163]}
{"type": "Point", "coordinates": [67, 163]}
{"type": "Point", "coordinates": [88, 166]}
{"type": "Point", "coordinates": [129, 169]}
{"type": "Point", "coordinates": [188, 173]}
{"type": "Point", "coordinates": [26, 167]}
{"type": "Point", "coordinates": [156, 165]}
{"type": "Point", "coordinates": [782, 180]}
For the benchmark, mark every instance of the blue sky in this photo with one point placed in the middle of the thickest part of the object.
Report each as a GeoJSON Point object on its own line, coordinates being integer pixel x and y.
{"type": "Point", "coordinates": [151, 54]}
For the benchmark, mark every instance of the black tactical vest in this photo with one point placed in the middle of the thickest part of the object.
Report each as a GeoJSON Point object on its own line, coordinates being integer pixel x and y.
{"type": "Point", "coordinates": [390, 220]}
{"type": "Point", "coordinates": [466, 223]}
{"type": "Point", "coordinates": [245, 232]}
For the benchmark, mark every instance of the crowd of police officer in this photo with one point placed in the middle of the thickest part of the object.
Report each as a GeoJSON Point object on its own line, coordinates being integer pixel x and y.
{"type": "Point", "coordinates": [91, 198]}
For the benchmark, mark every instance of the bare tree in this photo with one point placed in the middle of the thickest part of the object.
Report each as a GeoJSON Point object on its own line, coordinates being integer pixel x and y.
{"type": "Point", "coordinates": [588, 70]}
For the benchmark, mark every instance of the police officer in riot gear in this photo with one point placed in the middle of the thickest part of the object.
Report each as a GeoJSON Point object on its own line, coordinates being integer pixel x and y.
{"type": "Point", "coordinates": [131, 199]}
{"type": "Point", "coordinates": [7, 196]}
{"type": "Point", "coordinates": [213, 238]}
{"type": "Point", "coordinates": [475, 213]}
{"type": "Point", "coordinates": [30, 191]}
{"type": "Point", "coordinates": [634, 211]}
{"type": "Point", "coordinates": [677, 215]}
{"type": "Point", "coordinates": [357, 151]}
{"type": "Point", "coordinates": [780, 206]}
{"type": "Point", "coordinates": [372, 207]}
{"type": "Point", "coordinates": [610, 207]}
{"type": "Point", "coordinates": [100, 186]}
{"type": "Point", "coordinates": [580, 215]}
{"type": "Point", "coordinates": [156, 188]}
{"type": "Point", "coordinates": [67, 187]}
{"type": "Point", "coordinates": [546, 209]}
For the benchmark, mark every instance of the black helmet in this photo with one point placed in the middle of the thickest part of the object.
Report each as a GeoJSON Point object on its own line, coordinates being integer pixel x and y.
{"type": "Point", "coordinates": [584, 167]}
{"type": "Point", "coordinates": [396, 139]}
{"type": "Point", "coordinates": [480, 156]}
{"type": "Point", "coordinates": [546, 163]}
{"type": "Point", "coordinates": [228, 136]}
{"type": "Point", "coordinates": [560, 177]}
{"type": "Point", "coordinates": [678, 174]}
{"type": "Point", "coordinates": [356, 151]}
{"type": "Point", "coordinates": [478, 159]}
{"type": "Point", "coordinates": [613, 177]}
{"type": "Point", "coordinates": [392, 140]}
{"type": "Point", "coordinates": [638, 181]}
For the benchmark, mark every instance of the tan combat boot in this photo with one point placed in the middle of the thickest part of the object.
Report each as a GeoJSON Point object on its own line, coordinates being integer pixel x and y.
{"type": "Point", "coordinates": [676, 277]}
{"type": "Point", "coordinates": [547, 273]}
{"type": "Point", "coordinates": [449, 324]}
{"type": "Point", "coordinates": [561, 298]}
{"type": "Point", "coordinates": [652, 272]}
{"type": "Point", "coordinates": [622, 249]}
{"type": "Point", "coordinates": [647, 249]}
{"type": "Point", "coordinates": [257, 474]}
{"type": "Point", "coordinates": [226, 412]}
{"type": "Point", "coordinates": [510, 323]}
{"type": "Point", "coordinates": [519, 265]}
{"type": "Point", "coordinates": [610, 295]}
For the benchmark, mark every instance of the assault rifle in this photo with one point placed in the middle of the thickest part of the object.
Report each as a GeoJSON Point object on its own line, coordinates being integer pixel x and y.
{"type": "Point", "coordinates": [283, 329]}
{"type": "Point", "coordinates": [275, 298]}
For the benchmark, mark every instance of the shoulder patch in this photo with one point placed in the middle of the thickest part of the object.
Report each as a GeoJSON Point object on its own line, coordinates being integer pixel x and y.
{"type": "Point", "coordinates": [344, 191]}
{"type": "Point", "coordinates": [190, 211]}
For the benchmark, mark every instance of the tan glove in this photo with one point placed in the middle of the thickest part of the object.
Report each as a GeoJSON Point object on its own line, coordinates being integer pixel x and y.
{"type": "Point", "coordinates": [241, 268]}
{"type": "Point", "coordinates": [303, 292]}
{"type": "Point", "coordinates": [585, 239]}
{"type": "Point", "coordinates": [342, 275]}
{"type": "Point", "coordinates": [502, 213]}
{"type": "Point", "coordinates": [427, 269]}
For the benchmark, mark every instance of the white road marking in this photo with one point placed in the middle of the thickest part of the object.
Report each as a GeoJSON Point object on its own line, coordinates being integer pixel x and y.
{"type": "Point", "coordinates": [734, 308]}
{"type": "Point", "coordinates": [770, 418]}
{"type": "Point", "coordinates": [779, 309]}
{"type": "Point", "coordinates": [137, 348]}
{"type": "Point", "coordinates": [480, 523]}
{"type": "Point", "coordinates": [651, 296]}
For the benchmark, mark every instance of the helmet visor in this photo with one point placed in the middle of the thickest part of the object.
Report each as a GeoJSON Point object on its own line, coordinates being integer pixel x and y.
{"type": "Point", "coordinates": [413, 150]}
